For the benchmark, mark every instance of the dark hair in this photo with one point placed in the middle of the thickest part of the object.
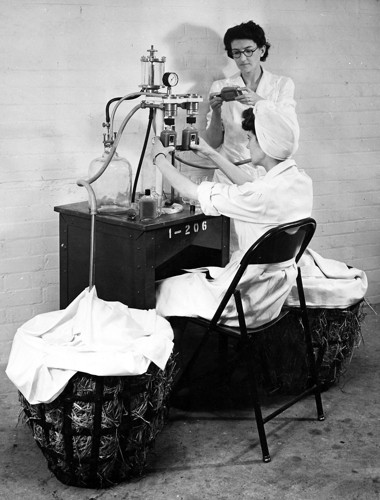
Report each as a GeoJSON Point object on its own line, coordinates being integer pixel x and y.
{"type": "Point", "coordinates": [248, 122]}
{"type": "Point", "coordinates": [249, 31]}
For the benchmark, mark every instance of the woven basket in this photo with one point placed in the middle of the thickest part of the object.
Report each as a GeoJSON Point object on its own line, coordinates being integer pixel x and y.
{"type": "Point", "coordinates": [99, 431]}
{"type": "Point", "coordinates": [335, 332]}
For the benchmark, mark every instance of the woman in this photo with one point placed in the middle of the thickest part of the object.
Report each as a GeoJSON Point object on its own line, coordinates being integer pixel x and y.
{"type": "Point", "coordinates": [284, 194]}
{"type": "Point", "coordinates": [246, 44]}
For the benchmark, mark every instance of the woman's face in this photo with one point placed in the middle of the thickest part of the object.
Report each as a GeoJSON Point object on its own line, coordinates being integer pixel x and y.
{"type": "Point", "coordinates": [257, 154]}
{"type": "Point", "coordinates": [244, 63]}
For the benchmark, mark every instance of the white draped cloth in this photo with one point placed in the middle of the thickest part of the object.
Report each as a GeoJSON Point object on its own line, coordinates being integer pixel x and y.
{"type": "Point", "coordinates": [328, 283]}
{"type": "Point", "coordinates": [91, 336]}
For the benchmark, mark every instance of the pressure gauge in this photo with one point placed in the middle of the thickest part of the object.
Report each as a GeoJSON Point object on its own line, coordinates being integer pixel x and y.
{"type": "Point", "coordinates": [170, 79]}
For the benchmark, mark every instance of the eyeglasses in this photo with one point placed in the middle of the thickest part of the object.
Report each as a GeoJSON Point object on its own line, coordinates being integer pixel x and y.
{"type": "Point", "coordinates": [247, 52]}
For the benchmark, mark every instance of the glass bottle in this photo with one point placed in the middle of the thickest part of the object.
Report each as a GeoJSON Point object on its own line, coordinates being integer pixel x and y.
{"type": "Point", "coordinates": [158, 199]}
{"type": "Point", "coordinates": [189, 134]}
{"type": "Point", "coordinates": [113, 188]}
{"type": "Point", "coordinates": [147, 206]}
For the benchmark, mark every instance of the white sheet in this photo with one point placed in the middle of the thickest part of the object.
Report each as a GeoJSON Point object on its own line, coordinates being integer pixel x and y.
{"type": "Point", "coordinates": [90, 335]}
{"type": "Point", "coordinates": [328, 283]}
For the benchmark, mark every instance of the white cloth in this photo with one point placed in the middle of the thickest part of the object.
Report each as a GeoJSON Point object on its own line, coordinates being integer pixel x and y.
{"type": "Point", "coordinates": [91, 336]}
{"type": "Point", "coordinates": [328, 283]}
{"type": "Point", "coordinates": [276, 132]}
{"type": "Point", "coordinates": [283, 195]}
{"type": "Point", "coordinates": [275, 88]}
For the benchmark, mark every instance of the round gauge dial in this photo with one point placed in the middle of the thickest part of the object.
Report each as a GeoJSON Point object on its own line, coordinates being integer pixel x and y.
{"type": "Point", "coordinates": [170, 79]}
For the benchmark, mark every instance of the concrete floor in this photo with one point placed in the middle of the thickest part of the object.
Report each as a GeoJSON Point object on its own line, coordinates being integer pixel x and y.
{"type": "Point", "coordinates": [211, 453]}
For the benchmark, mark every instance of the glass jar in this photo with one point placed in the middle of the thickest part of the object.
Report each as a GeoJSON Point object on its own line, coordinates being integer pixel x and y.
{"type": "Point", "coordinates": [158, 199]}
{"type": "Point", "coordinates": [114, 187]}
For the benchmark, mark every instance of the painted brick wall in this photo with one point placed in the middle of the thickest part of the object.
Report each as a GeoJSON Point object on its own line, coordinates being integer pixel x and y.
{"type": "Point", "coordinates": [60, 62]}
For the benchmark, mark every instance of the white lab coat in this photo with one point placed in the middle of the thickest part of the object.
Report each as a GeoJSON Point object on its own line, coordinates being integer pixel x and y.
{"type": "Point", "coordinates": [284, 194]}
{"type": "Point", "coordinates": [275, 88]}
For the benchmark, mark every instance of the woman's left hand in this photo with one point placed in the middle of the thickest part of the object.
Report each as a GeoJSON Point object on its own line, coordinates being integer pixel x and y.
{"type": "Point", "coordinates": [248, 97]}
{"type": "Point", "coordinates": [158, 148]}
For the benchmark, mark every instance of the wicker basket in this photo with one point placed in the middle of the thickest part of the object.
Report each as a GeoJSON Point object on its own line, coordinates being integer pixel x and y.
{"type": "Point", "coordinates": [99, 431]}
{"type": "Point", "coordinates": [281, 351]}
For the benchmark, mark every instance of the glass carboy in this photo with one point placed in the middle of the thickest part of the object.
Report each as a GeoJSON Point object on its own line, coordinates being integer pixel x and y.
{"type": "Point", "coordinates": [113, 188]}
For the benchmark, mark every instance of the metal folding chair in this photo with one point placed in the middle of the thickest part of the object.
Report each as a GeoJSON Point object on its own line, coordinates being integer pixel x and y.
{"type": "Point", "coordinates": [282, 243]}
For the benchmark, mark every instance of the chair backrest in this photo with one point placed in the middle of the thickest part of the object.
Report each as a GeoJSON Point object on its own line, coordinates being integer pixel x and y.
{"type": "Point", "coordinates": [279, 244]}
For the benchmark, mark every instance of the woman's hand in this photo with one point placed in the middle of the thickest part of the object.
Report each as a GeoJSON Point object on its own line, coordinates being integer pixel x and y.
{"type": "Point", "coordinates": [215, 102]}
{"type": "Point", "coordinates": [248, 97]}
{"type": "Point", "coordinates": [158, 148]}
{"type": "Point", "coordinates": [175, 178]}
{"type": "Point", "coordinates": [203, 148]}
{"type": "Point", "coordinates": [232, 171]}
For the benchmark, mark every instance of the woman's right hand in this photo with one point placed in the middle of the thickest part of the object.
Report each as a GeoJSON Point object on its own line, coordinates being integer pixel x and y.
{"type": "Point", "coordinates": [215, 102]}
{"type": "Point", "coordinates": [203, 148]}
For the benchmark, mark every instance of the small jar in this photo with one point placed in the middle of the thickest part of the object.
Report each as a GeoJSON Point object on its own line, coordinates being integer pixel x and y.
{"type": "Point", "coordinates": [147, 206]}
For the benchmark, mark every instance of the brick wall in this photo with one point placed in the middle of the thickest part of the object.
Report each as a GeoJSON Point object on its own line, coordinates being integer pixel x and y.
{"type": "Point", "coordinates": [62, 61]}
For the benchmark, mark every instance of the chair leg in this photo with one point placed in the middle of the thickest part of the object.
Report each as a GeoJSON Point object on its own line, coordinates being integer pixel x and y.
{"type": "Point", "coordinates": [249, 353]}
{"type": "Point", "coordinates": [314, 374]}
{"type": "Point", "coordinates": [249, 356]}
{"type": "Point", "coordinates": [309, 348]}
